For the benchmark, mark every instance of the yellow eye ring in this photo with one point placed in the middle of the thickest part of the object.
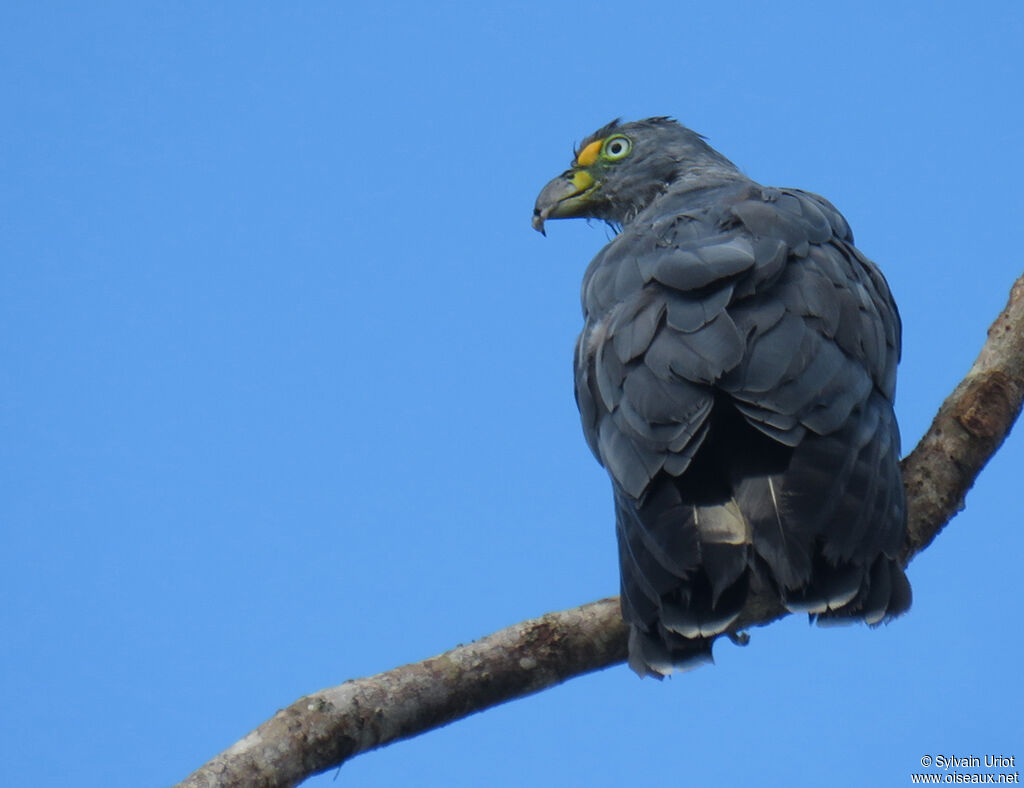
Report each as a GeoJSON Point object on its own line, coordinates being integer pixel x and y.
{"type": "Point", "coordinates": [617, 147]}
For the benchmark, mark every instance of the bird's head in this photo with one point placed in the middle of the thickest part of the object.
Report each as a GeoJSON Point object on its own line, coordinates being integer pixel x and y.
{"type": "Point", "coordinates": [619, 169]}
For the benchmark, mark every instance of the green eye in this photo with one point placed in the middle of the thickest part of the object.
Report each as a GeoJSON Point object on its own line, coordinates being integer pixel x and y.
{"type": "Point", "coordinates": [617, 147]}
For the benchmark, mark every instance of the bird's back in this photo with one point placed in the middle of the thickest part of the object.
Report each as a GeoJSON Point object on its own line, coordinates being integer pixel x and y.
{"type": "Point", "coordinates": [736, 375]}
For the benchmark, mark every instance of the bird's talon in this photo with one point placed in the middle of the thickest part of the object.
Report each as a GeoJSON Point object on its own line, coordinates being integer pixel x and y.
{"type": "Point", "coordinates": [739, 638]}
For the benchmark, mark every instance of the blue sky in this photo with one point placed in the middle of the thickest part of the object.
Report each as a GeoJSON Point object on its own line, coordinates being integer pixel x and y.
{"type": "Point", "coordinates": [285, 384]}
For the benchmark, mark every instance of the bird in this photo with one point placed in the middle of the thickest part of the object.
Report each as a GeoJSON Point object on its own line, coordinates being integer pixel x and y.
{"type": "Point", "coordinates": [735, 375]}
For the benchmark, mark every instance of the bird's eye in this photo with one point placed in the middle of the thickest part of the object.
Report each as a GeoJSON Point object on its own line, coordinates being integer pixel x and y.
{"type": "Point", "coordinates": [617, 147]}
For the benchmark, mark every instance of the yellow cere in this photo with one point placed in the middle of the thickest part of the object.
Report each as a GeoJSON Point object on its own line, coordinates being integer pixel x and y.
{"type": "Point", "coordinates": [588, 155]}
{"type": "Point", "coordinates": [582, 181]}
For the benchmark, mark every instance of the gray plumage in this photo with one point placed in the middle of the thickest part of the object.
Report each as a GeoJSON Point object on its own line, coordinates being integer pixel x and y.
{"type": "Point", "coordinates": [735, 375]}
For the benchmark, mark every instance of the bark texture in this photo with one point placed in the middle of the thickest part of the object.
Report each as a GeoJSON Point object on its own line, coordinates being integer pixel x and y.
{"type": "Point", "coordinates": [322, 730]}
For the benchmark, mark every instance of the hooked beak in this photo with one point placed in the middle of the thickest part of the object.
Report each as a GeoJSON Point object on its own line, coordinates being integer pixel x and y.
{"type": "Point", "coordinates": [563, 198]}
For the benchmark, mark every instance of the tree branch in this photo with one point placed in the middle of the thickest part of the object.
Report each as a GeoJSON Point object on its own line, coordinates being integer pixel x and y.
{"type": "Point", "coordinates": [322, 730]}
